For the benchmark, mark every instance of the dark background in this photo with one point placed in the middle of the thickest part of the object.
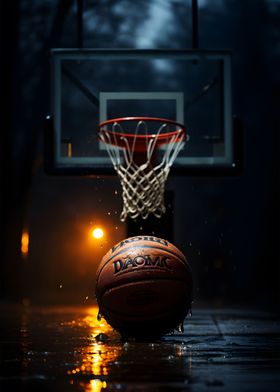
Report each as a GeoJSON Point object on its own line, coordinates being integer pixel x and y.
{"type": "Point", "coordinates": [228, 227]}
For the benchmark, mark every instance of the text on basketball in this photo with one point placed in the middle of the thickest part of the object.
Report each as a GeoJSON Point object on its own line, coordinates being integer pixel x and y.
{"type": "Point", "coordinates": [140, 238]}
{"type": "Point", "coordinates": [140, 262]}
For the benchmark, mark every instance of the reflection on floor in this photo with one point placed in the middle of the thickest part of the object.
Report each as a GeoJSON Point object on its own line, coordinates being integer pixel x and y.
{"type": "Point", "coordinates": [67, 349]}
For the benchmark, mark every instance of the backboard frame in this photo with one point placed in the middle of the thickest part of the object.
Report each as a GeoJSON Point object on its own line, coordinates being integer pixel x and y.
{"type": "Point", "coordinates": [56, 164]}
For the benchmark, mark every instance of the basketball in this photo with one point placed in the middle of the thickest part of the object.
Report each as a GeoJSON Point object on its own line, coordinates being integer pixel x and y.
{"type": "Point", "coordinates": [144, 287]}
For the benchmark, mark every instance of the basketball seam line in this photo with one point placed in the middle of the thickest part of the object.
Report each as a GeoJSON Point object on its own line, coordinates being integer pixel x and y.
{"type": "Point", "coordinates": [141, 247]}
{"type": "Point", "coordinates": [140, 279]}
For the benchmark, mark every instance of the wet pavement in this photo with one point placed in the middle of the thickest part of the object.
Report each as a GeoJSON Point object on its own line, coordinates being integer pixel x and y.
{"type": "Point", "coordinates": [68, 349]}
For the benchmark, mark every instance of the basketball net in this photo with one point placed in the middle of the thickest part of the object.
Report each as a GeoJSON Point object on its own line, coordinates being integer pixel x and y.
{"type": "Point", "coordinates": [133, 157]}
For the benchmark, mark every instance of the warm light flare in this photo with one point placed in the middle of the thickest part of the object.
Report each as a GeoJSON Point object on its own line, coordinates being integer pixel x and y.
{"type": "Point", "coordinates": [24, 243]}
{"type": "Point", "coordinates": [97, 233]}
{"type": "Point", "coordinates": [97, 385]}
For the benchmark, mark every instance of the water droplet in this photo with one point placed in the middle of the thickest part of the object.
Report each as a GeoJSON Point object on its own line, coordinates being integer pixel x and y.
{"type": "Point", "coordinates": [101, 337]}
{"type": "Point", "coordinates": [60, 286]}
{"type": "Point", "coordinates": [99, 316]}
{"type": "Point", "coordinates": [116, 228]}
{"type": "Point", "coordinates": [109, 213]}
{"type": "Point", "coordinates": [180, 327]}
{"type": "Point", "coordinates": [116, 192]}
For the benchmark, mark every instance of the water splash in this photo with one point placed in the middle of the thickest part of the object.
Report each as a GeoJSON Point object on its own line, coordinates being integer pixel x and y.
{"type": "Point", "coordinates": [190, 312]}
{"type": "Point", "coordinates": [180, 327]}
{"type": "Point", "coordinates": [101, 337]}
{"type": "Point", "coordinates": [99, 316]}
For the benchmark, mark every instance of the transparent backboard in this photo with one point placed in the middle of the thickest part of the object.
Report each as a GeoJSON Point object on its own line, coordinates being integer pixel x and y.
{"type": "Point", "coordinates": [91, 86]}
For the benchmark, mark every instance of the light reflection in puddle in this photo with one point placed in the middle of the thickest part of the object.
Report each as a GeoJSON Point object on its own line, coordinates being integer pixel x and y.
{"type": "Point", "coordinates": [96, 357]}
{"type": "Point", "coordinates": [103, 358]}
{"type": "Point", "coordinates": [93, 386]}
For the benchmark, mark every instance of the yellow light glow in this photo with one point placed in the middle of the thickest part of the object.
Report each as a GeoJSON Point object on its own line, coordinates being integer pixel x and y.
{"type": "Point", "coordinates": [97, 385]}
{"type": "Point", "coordinates": [94, 385]}
{"type": "Point", "coordinates": [24, 243]}
{"type": "Point", "coordinates": [97, 233]}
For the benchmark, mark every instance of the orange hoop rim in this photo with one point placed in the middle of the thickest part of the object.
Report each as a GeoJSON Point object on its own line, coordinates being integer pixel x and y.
{"type": "Point", "coordinates": [141, 139]}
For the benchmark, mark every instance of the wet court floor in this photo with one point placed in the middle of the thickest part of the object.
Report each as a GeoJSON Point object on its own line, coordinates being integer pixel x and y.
{"type": "Point", "coordinates": [67, 349]}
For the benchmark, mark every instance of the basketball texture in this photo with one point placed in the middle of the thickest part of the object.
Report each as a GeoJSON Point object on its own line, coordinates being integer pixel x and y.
{"type": "Point", "coordinates": [144, 287]}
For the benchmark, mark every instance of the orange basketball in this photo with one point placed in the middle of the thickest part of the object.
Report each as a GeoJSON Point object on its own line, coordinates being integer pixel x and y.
{"type": "Point", "coordinates": [144, 287]}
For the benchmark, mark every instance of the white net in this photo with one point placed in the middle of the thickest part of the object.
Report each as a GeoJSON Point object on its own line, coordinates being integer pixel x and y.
{"type": "Point", "coordinates": [142, 183]}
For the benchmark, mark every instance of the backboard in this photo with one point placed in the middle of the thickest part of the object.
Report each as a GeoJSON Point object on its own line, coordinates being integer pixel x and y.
{"type": "Point", "coordinates": [89, 86]}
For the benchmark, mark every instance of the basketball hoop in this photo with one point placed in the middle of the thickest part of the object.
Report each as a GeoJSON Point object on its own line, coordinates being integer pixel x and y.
{"type": "Point", "coordinates": [133, 156]}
